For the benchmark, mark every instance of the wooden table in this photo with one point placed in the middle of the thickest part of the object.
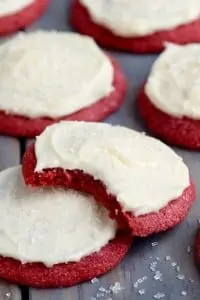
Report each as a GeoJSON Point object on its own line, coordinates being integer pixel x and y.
{"type": "Point", "coordinates": [160, 267]}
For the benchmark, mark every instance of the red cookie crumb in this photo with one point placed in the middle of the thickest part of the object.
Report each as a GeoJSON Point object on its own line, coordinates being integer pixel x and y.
{"type": "Point", "coordinates": [152, 43]}
{"type": "Point", "coordinates": [20, 126]}
{"type": "Point", "coordinates": [143, 225]}
{"type": "Point", "coordinates": [65, 275]}
{"type": "Point", "coordinates": [183, 132]}
{"type": "Point", "coordinates": [21, 19]}
{"type": "Point", "coordinates": [197, 247]}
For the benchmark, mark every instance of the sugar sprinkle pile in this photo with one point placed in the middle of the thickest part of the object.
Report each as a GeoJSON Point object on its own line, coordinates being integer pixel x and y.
{"type": "Point", "coordinates": [141, 284]}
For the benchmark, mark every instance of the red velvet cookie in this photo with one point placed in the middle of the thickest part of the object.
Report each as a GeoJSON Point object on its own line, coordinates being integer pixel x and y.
{"type": "Point", "coordinates": [20, 126]}
{"type": "Point", "coordinates": [184, 132]}
{"type": "Point", "coordinates": [65, 275]}
{"type": "Point", "coordinates": [169, 100]}
{"type": "Point", "coordinates": [23, 18]}
{"type": "Point", "coordinates": [152, 43]}
{"type": "Point", "coordinates": [142, 225]}
{"type": "Point", "coordinates": [59, 237]}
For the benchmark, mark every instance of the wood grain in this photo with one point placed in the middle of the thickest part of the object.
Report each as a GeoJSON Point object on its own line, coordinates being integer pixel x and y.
{"type": "Point", "coordinates": [56, 294]}
{"type": "Point", "coordinates": [9, 152]}
{"type": "Point", "coordinates": [9, 292]}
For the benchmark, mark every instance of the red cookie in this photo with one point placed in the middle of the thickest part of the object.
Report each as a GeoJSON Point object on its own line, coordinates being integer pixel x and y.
{"type": "Point", "coordinates": [20, 126]}
{"type": "Point", "coordinates": [143, 225]}
{"type": "Point", "coordinates": [182, 132]}
{"type": "Point", "coordinates": [65, 275]}
{"type": "Point", "coordinates": [152, 43]}
{"type": "Point", "coordinates": [21, 19]}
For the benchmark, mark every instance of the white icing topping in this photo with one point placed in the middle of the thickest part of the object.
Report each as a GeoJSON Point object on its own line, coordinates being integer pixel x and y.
{"type": "Point", "coordinates": [173, 83]}
{"type": "Point", "coordinates": [143, 173]}
{"type": "Point", "coordinates": [8, 7]}
{"type": "Point", "coordinates": [50, 226]}
{"type": "Point", "coordinates": [129, 18]}
{"type": "Point", "coordinates": [52, 74]}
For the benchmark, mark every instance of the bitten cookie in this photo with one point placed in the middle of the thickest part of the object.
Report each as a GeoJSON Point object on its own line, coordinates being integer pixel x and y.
{"type": "Point", "coordinates": [54, 237]}
{"type": "Point", "coordinates": [18, 14]}
{"type": "Point", "coordinates": [169, 100]}
{"type": "Point", "coordinates": [137, 26]}
{"type": "Point", "coordinates": [51, 76]}
{"type": "Point", "coordinates": [141, 181]}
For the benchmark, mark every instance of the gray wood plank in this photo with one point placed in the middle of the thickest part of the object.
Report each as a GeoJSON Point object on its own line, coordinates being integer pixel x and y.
{"type": "Point", "coordinates": [9, 152]}
{"type": "Point", "coordinates": [55, 18]}
{"type": "Point", "coordinates": [57, 294]}
{"type": "Point", "coordinates": [9, 292]}
{"type": "Point", "coordinates": [9, 156]}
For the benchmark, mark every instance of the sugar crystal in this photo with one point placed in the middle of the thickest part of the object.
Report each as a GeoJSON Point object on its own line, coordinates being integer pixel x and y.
{"type": "Point", "coordinates": [141, 292]}
{"type": "Point", "coordinates": [183, 293]}
{"type": "Point", "coordinates": [159, 296]}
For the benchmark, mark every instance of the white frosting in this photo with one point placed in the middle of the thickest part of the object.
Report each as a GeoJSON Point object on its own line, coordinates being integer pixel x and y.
{"type": "Point", "coordinates": [143, 173]}
{"type": "Point", "coordinates": [52, 74]}
{"type": "Point", "coordinates": [173, 83]}
{"type": "Point", "coordinates": [8, 7]}
{"type": "Point", "coordinates": [49, 226]}
{"type": "Point", "coordinates": [129, 18]}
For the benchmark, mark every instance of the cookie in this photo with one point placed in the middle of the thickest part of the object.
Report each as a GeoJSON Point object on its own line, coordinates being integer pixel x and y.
{"type": "Point", "coordinates": [168, 102]}
{"type": "Point", "coordinates": [66, 275]}
{"type": "Point", "coordinates": [15, 16]}
{"type": "Point", "coordinates": [103, 21]}
{"type": "Point", "coordinates": [81, 88]}
{"type": "Point", "coordinates": [44, 245]}
{"type": "Point", "coordinates": [183, 132]}
{"type": "Point", "coordinates": [142, 182]}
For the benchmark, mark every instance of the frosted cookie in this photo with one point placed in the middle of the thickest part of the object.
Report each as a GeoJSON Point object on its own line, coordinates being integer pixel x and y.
{"type": "Point", "coordinates": [137, 26]}
{"type": "Point", "coordinates": [141, 181]}
{"type": "Point", "coordinates": [53, 237]}
{"type": "Point", "coordinates": [46, 77]}
{"type": "Point", "coordinates": [18, 14]}
{"type": "Point", "coordinates": [170, 100]}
